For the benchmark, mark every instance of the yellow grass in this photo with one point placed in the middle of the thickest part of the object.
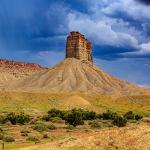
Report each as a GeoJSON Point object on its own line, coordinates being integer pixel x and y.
{"type": "Point", "coordinates": [133, 137]}
{"type": "Point", "coordinates": [35, 103]}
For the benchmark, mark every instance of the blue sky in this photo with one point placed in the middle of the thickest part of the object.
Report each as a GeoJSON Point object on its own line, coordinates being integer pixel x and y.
{"type": "Point", "coordinates": [36, 30]}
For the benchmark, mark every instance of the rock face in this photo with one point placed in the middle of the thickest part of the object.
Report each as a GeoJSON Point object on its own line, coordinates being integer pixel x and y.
{"type": "Point", "coordinates": [12, 70]}
{"type": "Point", "coordinates": [14, 64]}
{"type": "Point", "coordinates": [78, 47]}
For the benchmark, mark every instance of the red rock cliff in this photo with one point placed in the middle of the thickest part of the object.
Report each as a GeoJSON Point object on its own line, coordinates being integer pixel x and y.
{"type": "Point", "coordinates": [78, 47]}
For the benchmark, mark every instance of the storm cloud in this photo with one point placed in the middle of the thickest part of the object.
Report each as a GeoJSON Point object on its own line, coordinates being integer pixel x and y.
{"type": "Point", "coordinates": [146, 2]}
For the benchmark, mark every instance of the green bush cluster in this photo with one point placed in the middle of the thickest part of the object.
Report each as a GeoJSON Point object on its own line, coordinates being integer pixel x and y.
{"type": "Point", "coordinates": [3, 119]}
{"type": "Point", "coordinates": [109, 115]}
{"type": "Point", "coordinates": [77, 116]}
{"type": "Point", "coordinates": [74, 117]}
{"type": "Point", "coordinates": [120, 121]}
{"type": "Point", "coordinates": [40, 126]}
{"type": "Point", "coordinates": [55, 113]}
{"type": "Point", "coordinates": [131, 116]}
{"type": "Point", "coordinates": [15, 118]}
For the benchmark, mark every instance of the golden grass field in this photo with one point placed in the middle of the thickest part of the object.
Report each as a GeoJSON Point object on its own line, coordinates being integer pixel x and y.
{"type": "Point", "coordinates": [33, 103]}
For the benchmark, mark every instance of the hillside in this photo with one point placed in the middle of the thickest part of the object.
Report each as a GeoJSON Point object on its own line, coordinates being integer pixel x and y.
{"type": "Point", "coordinates": [12, 70]}
{"type": "Point", "coordinates": [42, 102]}
{"type": "Point", "coordinates": [72, 75]}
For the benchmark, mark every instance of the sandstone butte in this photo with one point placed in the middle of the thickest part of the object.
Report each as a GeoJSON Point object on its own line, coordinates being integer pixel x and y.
{"type": "Point", "coordinates": [76, 73]}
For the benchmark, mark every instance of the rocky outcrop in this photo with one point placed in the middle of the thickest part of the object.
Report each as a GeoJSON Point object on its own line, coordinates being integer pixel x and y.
{"type": "Point", "coordinates": [12, 70]}
{"type": "Point", "coordinates": [78, 47]}
{"type": "Point", "coordinates": [20, 65]}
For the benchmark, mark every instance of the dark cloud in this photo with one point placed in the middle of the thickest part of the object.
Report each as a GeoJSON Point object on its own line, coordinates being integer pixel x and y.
{"type": "Point", "coordinates": [147, 2]}
{"type": "Point", "coordinates": [30, 25]}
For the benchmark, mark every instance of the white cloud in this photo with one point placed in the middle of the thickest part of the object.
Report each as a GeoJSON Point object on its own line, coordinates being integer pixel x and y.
{"type": "Point", "coordinates": [129, 7]}
{"type": "Point", "coordinates": [145, 48]}
{"type": "Point", "coordinates": [100, 31]}
{"type": "Point", "coordinates": [142, 50]}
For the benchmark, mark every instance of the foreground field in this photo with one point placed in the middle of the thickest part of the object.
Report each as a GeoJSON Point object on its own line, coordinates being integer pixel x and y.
{"type": "Point", "coordinates": [135, 136]}
{"type": "Point", "coordinates": [132, 137]}
{"type": "Point", "coordinates": [37, 103]}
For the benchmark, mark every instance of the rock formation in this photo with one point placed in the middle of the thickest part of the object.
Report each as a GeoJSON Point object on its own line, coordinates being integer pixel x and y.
{"type": "Point", "coordinates": [73, 75]}
{"type": "Point", "coordinates": [76, 73]}
{"type": "Point", "coordinates": [12, 70]}
{"type": "Point", "coordinates": [78, 47]}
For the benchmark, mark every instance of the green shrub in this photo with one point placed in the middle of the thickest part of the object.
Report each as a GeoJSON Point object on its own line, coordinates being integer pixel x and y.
{"type": "Point", "coordinates": [22, 118]}
{"type": "Point", "coordinates": [138, 117]}
{"type": "Point", "coordinates": [88, 115]}
{"type": "Point", "coordinates": [120, 121]}
{"type": "Point", "coordinates": [46, 117]}
{"type": "Point", "coordinates": [3, 119]}
{"type": "Point", "coordinates": [129, 115]}
{"type": "Point", "coordinates": [55, 113]}
{"type": "Point", "coordinates": [18, 118]}
{"type": "Point", "coordinates": [95, 124]}
{"type": "Point", "coordinates": [74, 117]}
{"type": "Point", "coordinates": [12, 118]}
{"type": "Point", "coordinates": [8, 139]}
{"type": "Point", "coordinates": [40, 127]}
{"type": "Point", "coordinates": [33, 139]}
{"type": "Point", "coordinates": [109, 115]}
{"type": "Point", "coordinates": [51, 127]}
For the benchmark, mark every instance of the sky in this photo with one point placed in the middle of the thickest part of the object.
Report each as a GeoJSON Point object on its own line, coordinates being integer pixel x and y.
{"type": "Point", "coordinates": [36, 31]}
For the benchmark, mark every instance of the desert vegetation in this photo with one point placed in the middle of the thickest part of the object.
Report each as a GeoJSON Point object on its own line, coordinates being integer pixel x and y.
{"type": "Point", "coordinates": [28, 129]}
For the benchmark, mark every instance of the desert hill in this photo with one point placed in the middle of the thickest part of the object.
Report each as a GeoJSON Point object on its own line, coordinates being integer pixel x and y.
{"type": "Point", "coordinates": [12, 70]}
{"type": "Point", "coordinates": [72, 75]}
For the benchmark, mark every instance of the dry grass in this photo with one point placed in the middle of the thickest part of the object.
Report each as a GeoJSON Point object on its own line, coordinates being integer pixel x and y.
{"type": "Point", "coordinates": [36, 103]}
{"type": "Point", "coordinates": [133, 137]}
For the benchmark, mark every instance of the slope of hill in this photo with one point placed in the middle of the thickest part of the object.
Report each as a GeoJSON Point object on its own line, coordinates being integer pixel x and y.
{"type": "Point", "coordinates": [75, 75]}
{"type": "Point", "coordinates": [37, 103]}
{"type": "Point", "coordinates": [12, 70]}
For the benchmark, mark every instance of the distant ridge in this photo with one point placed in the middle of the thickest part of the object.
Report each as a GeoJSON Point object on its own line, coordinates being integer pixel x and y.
{"type": "Point", "coordinates": [12, 70]}
{"type": "Point", "coordinates": [73, 75]}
